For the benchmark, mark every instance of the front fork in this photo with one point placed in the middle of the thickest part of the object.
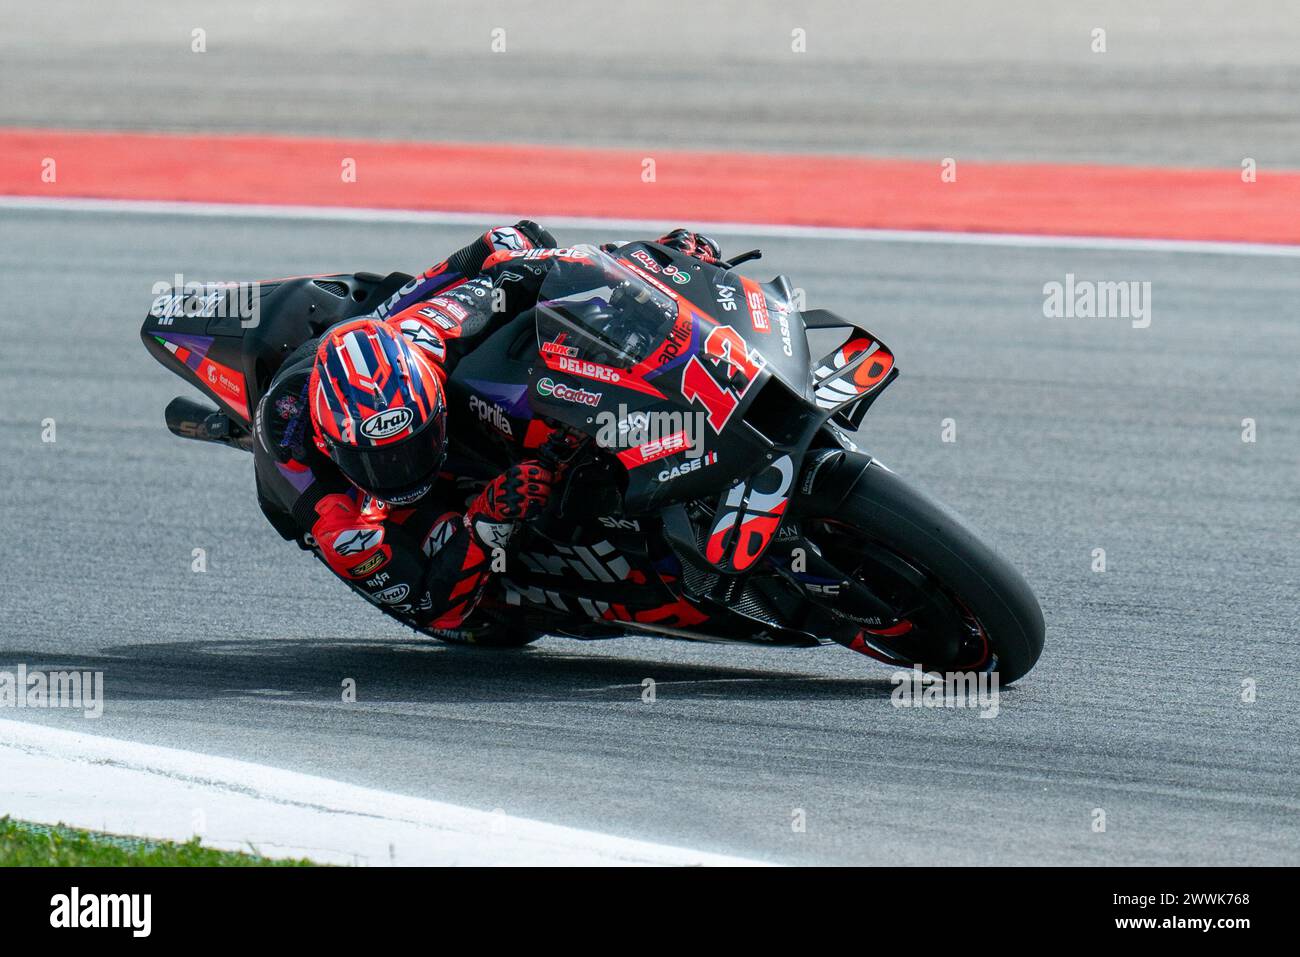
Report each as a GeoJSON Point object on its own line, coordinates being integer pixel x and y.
{"type": "Point", "coordinates": [855, 611]}
{"type": "Point", "coordinates": [801, 562]}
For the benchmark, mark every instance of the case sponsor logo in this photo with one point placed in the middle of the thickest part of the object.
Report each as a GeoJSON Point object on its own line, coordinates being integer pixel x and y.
{"type": "Point", "coordinates": [783, 324]}
{"type": "Point", "coordinates": [690, 465]}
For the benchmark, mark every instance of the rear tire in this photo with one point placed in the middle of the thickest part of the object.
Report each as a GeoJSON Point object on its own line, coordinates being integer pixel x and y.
{"type": "Point", "coordinates": [889, 513]}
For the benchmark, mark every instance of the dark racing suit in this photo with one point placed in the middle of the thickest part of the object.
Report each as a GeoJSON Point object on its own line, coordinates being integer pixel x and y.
{"type": "Point", "coordinates": [427, 563]}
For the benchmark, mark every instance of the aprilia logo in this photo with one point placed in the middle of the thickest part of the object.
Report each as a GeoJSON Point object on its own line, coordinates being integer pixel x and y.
{"type": "Point", "coordinates": [491, 412]}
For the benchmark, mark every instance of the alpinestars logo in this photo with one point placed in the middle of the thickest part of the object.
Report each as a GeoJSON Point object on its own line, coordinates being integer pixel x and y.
{"type": "Point", "coordinates": [507, 237]}
{"type": "Point", "coordinates": [441, 533]}
{"type": "Point", "coordinates": [421, 335]}
{"type": "Point", "coordinates": [357, 540]}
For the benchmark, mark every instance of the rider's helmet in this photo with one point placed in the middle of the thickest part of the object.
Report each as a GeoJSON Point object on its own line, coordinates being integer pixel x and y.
{"type": "Point", "coordinates": [378, 410]}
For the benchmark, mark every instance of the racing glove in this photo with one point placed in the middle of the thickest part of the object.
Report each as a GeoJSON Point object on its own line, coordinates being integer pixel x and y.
{"type": "Point", "coordinates": [693, 244]}
{"type": "Point", "coordinates": [518, 493]}
{"type": "Point", "coordinates": [537, 234]}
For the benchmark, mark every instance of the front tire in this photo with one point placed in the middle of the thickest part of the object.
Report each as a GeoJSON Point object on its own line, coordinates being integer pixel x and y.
{"type": "Point", "coordinates": [897, 528]}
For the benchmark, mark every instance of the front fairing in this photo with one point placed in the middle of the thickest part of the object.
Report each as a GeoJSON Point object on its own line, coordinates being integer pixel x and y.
{"type": "Point", "coordinates": [692, 375]}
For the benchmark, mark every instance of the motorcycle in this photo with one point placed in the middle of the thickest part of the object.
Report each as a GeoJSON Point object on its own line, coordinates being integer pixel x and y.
{"type": "Point", "coordinates": [713, 489]}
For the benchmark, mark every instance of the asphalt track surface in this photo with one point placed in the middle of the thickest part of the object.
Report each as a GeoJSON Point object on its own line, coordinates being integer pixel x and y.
{"type": "Point", "coordinates": [1182, 82]}
{"type": "Point", "coordinates": [1071, 435]}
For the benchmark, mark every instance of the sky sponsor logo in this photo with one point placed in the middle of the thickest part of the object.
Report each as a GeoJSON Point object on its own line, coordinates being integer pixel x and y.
{"type": "Point", "coordinates": [645, 436]}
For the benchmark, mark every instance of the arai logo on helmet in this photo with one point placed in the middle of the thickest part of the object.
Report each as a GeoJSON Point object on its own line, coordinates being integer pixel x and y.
{"type": "Point", "coordinates": [388, 423]}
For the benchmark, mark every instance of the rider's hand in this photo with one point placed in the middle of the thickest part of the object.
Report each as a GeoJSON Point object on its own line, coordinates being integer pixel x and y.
{"type": "Point", "coordinates": [693, 244]}
{"type": "Point", "coordinates": [517, 494]}
{"type": "Point", "coordinates": [560, 446]}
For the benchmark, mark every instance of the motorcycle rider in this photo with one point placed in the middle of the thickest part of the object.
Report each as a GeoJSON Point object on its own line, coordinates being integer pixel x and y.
{"type": "Point", "coordinates": [352, 434]}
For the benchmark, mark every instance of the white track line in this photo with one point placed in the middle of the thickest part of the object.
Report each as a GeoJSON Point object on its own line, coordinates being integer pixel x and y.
{"type": "Point", "coordinates": [54, 776]}
{"type": "Point", "coordinates": [642, 226]}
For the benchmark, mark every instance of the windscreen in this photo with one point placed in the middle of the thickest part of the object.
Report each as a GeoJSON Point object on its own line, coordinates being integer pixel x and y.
{"type": "Point", "coordinates": [593, 307]}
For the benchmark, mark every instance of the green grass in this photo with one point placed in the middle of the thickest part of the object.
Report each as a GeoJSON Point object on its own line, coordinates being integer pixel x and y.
{"type": "Point", "coordinates": [39, 845]}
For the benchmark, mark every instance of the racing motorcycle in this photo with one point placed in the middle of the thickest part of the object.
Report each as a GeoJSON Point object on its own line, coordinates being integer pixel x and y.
{"type": "Point", "coordinates": [713, 489]}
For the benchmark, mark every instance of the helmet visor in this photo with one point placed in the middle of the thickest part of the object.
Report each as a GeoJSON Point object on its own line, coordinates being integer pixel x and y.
{"type": "Point", "coordinates": [394, 471]}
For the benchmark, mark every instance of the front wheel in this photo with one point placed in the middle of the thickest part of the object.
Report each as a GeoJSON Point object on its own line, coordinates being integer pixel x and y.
{"type": "Point", "coordinates": [960, 605]}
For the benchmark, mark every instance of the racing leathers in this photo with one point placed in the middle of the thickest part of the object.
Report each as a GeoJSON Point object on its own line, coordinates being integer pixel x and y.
{"type": "Point", "coordinates": [426, 563]}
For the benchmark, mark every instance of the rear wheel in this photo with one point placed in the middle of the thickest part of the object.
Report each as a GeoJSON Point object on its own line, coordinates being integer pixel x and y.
{"type": "Point", "coordinates": [961, 606]}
